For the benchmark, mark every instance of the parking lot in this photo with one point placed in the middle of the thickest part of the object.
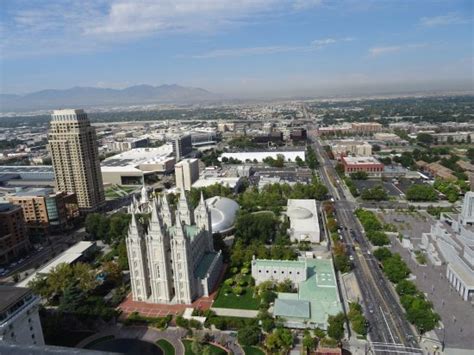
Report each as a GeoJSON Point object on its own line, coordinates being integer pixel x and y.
{"type": "Point", "coordinates": [391, 189]}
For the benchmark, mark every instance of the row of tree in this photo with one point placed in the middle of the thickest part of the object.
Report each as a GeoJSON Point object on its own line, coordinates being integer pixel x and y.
{"type": "Point", "coordinates": [418, 309]}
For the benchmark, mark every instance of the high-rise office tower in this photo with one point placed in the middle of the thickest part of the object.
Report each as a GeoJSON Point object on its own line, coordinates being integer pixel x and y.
{"type": "Point", "coordinates": [186, 173]}
{"type": "Point", "coordinates": [75, 156]}
{"type": "Point", "coordinates": [182, 146]}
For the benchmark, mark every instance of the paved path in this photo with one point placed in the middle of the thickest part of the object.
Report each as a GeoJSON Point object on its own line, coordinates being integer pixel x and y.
{"type": "Point", "coordinates": [229, 312]}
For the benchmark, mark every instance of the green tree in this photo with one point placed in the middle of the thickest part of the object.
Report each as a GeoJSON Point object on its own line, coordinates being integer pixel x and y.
{"type": "Point", "coordinates": [421, 192]}
{"type": "Point", "coordinates": [309, 343]}
{"type": "Point", "coordinates": [424, 138]}
{"type": "Point", "coordinates": [377, 193]}
{"type": "Point", "coordinates": [395, 268]}
{"type": "Point", "coordinates": [249, 335]}
{"type": "Point", "coordinates": [336, 326]}
{"type": "Point", "coordinates": [406, 287]}
{"type": "Point", "coordinates": [72, 299]}
{"type": "Point", "coordinates": [382, 253]}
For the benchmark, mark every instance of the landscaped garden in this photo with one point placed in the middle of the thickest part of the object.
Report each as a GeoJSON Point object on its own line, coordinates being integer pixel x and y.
{"type": "Point", "coordinates": [253, 350]}
{"type": "Point", "coordinates": [193, 347]}
{"type": "Point", "coordinates": [237, 291]}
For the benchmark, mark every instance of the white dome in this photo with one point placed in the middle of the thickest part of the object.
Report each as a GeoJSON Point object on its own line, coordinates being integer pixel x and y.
{"type": "Point", "coordinates": [223, 212]}
{"type": "Point", "coordinates": [299, 213]}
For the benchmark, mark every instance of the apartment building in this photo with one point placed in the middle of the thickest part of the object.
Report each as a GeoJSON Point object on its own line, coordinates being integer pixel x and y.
{"type": "Point", "coordinates": [75, 157]}
{"type": "Point", "coordinates": [13, 235]}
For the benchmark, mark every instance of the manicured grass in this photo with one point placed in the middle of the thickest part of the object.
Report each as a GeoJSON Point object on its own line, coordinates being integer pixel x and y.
{"type": "Point", "coordinates": [166, 346]}
{"type": "Point", "coordinates": [214, 349]}
{"type": "Point", "coordinates": [253, 350]}
{"type": "Point", "coordinates": [99, 340]}
{"type": "Point", "coordinates": [244, 301]}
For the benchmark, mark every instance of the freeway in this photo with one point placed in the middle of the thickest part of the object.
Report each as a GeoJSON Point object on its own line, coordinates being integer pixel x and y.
{"type": "Point", "coordinates": [389, 331]}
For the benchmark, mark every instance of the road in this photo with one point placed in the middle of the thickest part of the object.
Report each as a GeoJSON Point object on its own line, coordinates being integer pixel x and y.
{"type": "Point", "coordinates": [389, 331]}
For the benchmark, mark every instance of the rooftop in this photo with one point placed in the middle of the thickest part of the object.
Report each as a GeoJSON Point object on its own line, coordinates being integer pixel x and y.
{"type": "Point", "coordinates": [204, 264]}
{"type": "Point", "coordinates": [280, 263]}
{"type": "Point", "coordinates": [223, 212]}
{"type": "Point", "coordinates": [361, 160]}
{"type": "Point", "coordinates": [132, 159]}
{"type": "Point", "coordinates": [9, 295]}
{"type": "Point", "coordinates": [292, 308]}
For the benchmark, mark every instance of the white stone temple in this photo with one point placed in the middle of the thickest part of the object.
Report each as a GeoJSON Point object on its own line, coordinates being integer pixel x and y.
{"type": "Point", "coordinates": [171, 254]}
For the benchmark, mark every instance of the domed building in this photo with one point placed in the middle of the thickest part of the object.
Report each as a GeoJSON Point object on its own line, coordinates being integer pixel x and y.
{"type": "Point", "coordinates": [223, 213]}
{"type": "Point", "coordinates": [304, 222]}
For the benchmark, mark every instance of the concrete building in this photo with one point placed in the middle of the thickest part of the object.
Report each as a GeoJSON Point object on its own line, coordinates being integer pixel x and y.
{"type": "Point", "coordinates": [453, 137]}
{"type": "Point", "coordinates": [173, 260]}
{"type": "Point", "coordinates": [352, 128]}
{"type": "Point", "coordinates": [182, 146]}
{"type": "Point", "coordinates": [388, 138]}
{"type": "Point", "coordinates": [137, 166]}
{"type": "Point", "coordinates": [304, 221]}
{"type": "Point", "coordinates": [370, 165]}
{"type": "Point", "coordinates": [451, 240]}
{"type": "Point", "coordinates": [75, 156]}
{"type": "Point", "coordinates": [350, 147]}
{"type": "Point", "coordinates": [317, 295]}
{"type": "Point", "coordinates": [19, 318]}
{"type": "Point", "coordinates": [186, 173]}
{"type": "Point", "coordinates": [14, 240]}
{"type": "Point", "coordinates": [465, 165]}
{"type": "Point", "coordinates": [199, 139]}
{"type": "Point", "coordinates": [289, 155]}
{"type": "Point", "coordinates": [46, 211]}
{"type": "Point", "coordinates": [27, 175]}
{"type": "Point", "coordinates": [467, 210]}
{"type": "Point", "coordinates": [128, 144]}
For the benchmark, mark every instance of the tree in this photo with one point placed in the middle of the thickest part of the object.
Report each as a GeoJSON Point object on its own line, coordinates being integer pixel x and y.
{"type": "Point", "coordinates": [309, 343]}
{"type": "Point", "coordinates": [395, 268]}
{"type": "Point", "coordinates": [424, 138]}
{"type": "Point", "coordinates": [249, 335]}
{"type": "Point", "coordinates": [406, 287]}
{"type": "Point", "coordinates": [260, 226]}
{"type": "Point", "coordinates": [421, 192]}
{"type": "Point", "coordinates": [340, 169]}
{"type": "Point", "coordinates": [113, 272]}
{"type": "Point", "coordinates": [72, 299]}
{"type": "Point", "coordinates": [382, 253]}
{"type": "Point", "coordinates": [359, 175]}
{"type": "Point", "coordinates": [377, 193]}
{"type": "Point", "coordinates": [336, 326]}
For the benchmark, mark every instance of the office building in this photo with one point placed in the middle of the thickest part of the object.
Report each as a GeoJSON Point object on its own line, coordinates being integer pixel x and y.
{"type": "Point", "coordinates": [182, 146]}
{"type": "Point", "coordinates": [467, 210]}
{"type": "Point", "coordinates": [349, 147]}
{"type": "Point", "coordinates": [172, 260]}
{"type": "Point", "coordinates": [186, 173]}
{"type": "Point", "coordinates": [75, 157]}
{"type": "Point", "coordinates": [46, 211]}
{"type": "Point", "coordinates": [19, 318]}
{"type": "Point", "coordinates": [13, 236]}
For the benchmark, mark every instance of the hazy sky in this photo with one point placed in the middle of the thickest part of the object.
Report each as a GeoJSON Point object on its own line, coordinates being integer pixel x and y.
{"type": "Point", "coordinates": [260, 47]}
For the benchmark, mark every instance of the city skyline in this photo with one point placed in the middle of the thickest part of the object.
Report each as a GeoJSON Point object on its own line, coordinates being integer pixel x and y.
{"type": "Point", "coordinates": [267, 48]}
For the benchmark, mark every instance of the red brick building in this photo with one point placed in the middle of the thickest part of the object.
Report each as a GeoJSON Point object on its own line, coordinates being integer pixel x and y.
{"type": "Point", "coordinates": [370, 165]}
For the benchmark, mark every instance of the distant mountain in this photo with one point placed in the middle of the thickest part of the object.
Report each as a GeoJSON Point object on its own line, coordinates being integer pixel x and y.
{"type": "Point", "coordinates": [90, 96]}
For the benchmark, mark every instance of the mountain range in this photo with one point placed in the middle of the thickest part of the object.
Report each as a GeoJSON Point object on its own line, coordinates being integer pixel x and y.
{"type": "Point", "coordinates": [91, 96]}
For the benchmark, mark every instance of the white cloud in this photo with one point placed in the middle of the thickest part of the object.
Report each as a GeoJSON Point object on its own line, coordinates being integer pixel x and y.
{"type": "Point", "coordinates": [378, 51]}
{"type": "Point", "coordinates": [443, 20]}
{"type": "Point", "coordinates": [239, 52]}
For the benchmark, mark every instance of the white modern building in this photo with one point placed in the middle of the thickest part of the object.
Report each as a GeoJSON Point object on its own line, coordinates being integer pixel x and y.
{"type": "Point", "coordinates": [451, 240]}
{"type": "Point", "coordinates": [186, 173]}
{"type": "Point", "coordinates": [134, 166]}
{"type": "Point", "coordinates": [304, 221]}
{"type": "Point", "coordinates": [171, 258]}
{"type": "Point", "coordinates": [19, 318]}
{"type": "Point", "coordinates": [259, 156]}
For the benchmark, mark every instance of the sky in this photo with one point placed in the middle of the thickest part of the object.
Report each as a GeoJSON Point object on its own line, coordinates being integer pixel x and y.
{"type": "Point", "coordinates": [238, 47]}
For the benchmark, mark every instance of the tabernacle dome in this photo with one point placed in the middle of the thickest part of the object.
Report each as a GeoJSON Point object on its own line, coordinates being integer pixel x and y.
{"type": "Point", "coordinates": [223, 213]}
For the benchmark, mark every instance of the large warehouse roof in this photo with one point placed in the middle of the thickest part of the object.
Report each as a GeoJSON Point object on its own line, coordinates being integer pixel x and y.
{"type": "Point", "coordinates": [223, 212]}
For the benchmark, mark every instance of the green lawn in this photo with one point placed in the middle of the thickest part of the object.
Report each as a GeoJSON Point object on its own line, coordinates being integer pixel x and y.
{"type": "Point", "coordinates": [166, 346]}
{"type": "Point", "coordinates": [252, 350]}
{"type": "Point", "coordinates": [245, 301]}
{"type": "Point", "coordinates": [214, 349]}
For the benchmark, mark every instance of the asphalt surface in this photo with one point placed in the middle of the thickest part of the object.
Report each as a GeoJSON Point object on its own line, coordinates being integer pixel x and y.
{"type": "Point", "coordinates": [389, 332]}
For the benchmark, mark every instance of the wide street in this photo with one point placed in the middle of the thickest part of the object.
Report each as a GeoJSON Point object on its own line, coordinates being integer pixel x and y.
{"type": "Point", "coordinates": [389, 332]}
